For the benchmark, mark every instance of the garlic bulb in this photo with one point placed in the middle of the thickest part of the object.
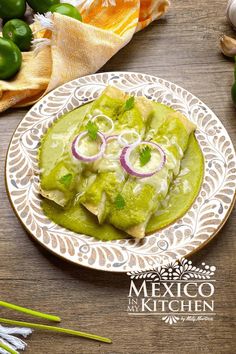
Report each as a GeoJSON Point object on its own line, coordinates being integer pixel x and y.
{"type": "Point", "coordinates": [228, 46]}
{"type": "Point", "coordinates": [231, 12]}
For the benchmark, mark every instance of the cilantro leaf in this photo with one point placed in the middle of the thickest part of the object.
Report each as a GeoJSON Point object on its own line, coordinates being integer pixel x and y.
{"type": "Point", "coordinates": [92, 129]}
{"type": "Point", "coordinates": [66, 180]}
{"type": "Point", "coordinates": [145, 156]}
{"type": "Point", "coordinates": [129, 104]}
{"type": "Point", "coordinates": [119, 202]}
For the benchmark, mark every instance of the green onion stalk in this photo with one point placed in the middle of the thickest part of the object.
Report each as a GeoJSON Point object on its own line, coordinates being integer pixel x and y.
{"type": "Point", "coordinates": [55, 329]}
{"type": "Point", "coordinates": [41, 326]}
{"type": "Point", "coordinates": [30, 312]}
{"type": "Point", "coordinates": [7, 349]}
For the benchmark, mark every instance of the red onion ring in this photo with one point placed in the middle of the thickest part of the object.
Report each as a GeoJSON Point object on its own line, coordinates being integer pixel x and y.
{"type": "Point", "coordinates": [86, 158]}
{"type": "Point", "coordinates": [112, 137]}
{"type": "Point", "coordinates": [110, 156]}
{"type": "Point", "coordinates": [124, 142]}
{"type": "Point", "coordinates": [108, 120]}
{"type": "Point", "coordinates": [125, 161]}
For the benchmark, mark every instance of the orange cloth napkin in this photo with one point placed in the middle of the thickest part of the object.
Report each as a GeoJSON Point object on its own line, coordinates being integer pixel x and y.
{"type": "Point", "coordinates": [71, 49]}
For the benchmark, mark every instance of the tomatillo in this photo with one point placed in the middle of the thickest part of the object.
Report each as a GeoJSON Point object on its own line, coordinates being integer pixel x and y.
{"type": "Point", "coordinates": [67, 10]}
{"type": "Point", "coordinates": [19, 32]}
{"type": "Point", "coordinates": [233, 93]}
{"type": "Point", "coordinates": [41, 6]}
{"type": "Point", "coordinates": [12, 9]}
{"type": "Point", "coordinates": [233, 89]}
{"type": "Point", "coordinates": [10, 59]}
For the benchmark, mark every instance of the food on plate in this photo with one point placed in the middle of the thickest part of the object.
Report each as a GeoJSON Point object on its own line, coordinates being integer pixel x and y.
{"type": "Point", "coordinates": [120, 166]}
{"type": "Point", "coordinates": [182, 191]}
{"type": "Point", "coordinates": [109, 178]}
{"type": "Point", "coordinates": [19, 32]}
{"type": "Point", "coordinates": [143, 195]}
{"type": "Point", "coordinates": [11, 59]}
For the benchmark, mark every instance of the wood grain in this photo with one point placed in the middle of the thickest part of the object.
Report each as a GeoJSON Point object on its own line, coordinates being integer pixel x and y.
{"type": "Point", "coordinates": [182, 48]}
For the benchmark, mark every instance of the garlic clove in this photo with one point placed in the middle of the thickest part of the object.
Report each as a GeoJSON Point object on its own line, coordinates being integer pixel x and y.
{"type": "Point", "coordinates": [228, 46]}
{"type": "Point", "coordinates": [231, 12]}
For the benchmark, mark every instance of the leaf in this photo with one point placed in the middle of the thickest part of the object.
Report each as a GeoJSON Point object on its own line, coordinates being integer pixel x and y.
{"type": "Point", "coordinates": [92, 129]}
{"type": "Point", "coordinates": [145, 156]}
{"type": "Point", "coordinates": [119, 202]}
{"type": "Point", "coordinates": [66, 180]}
{"type": "Point", "coordinates": [129, 104]}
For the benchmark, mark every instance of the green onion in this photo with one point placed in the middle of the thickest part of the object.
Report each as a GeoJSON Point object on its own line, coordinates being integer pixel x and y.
{"type": "Point", "coordinates": [8, 349]}
{"type": "Point", "coordinates": [30, 312]}
{"type": "Point", "coordinates": [55, 329]}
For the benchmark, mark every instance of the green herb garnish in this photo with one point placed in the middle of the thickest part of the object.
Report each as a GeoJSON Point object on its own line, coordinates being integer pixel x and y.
{"type": "Point", "coordinates": [66, 180]}
{"type": "Point", "coordinates": [145, 156]}
{"type": "Point", "coordinates": [119, 202]}
{"type": "Point", "coordinates": [129, 104]}
{"type": "Point", "coordinates": [92, 129]}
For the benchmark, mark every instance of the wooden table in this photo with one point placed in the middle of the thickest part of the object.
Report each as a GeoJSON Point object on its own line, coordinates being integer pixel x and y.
{"type": "Point", "coordinates": [182, 48]}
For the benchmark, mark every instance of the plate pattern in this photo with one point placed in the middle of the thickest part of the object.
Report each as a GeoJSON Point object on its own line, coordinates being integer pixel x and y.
{"type": "Point", "coordinates": [206, 216]}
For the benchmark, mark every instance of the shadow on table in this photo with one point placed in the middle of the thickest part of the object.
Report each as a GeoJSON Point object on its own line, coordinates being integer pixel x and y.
{"type": "Point", "coordinates": [138, 47]}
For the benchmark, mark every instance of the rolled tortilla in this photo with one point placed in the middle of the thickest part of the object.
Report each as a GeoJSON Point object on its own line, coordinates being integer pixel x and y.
{"type": "Point", "coordinates": [142, 196]}
{"type": "Point", "coordinates": [110, 176]}
{"type": "Point", "coordinates": [109, 103]}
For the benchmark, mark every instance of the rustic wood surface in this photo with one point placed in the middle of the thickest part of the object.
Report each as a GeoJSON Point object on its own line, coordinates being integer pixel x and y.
{"type": "Point", "coordinates": [182, 48]}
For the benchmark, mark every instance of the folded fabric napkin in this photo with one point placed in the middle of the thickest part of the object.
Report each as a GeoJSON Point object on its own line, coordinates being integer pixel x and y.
{"type": "Point", "coordinates": [67, 49]}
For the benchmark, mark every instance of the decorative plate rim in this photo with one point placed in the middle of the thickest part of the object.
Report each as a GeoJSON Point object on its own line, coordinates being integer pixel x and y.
{"type": "Point", "coordinates": [105, 78]}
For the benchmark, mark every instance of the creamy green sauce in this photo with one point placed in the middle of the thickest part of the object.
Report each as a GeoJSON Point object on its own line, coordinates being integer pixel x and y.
{"type": "Point", "coordinates": [76, 218]}
{"type": "Point", "coordinates": [184, 189]}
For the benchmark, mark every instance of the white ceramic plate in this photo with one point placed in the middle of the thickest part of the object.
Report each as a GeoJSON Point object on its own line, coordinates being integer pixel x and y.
{"type": "Point", "coordinates": [202, 221]}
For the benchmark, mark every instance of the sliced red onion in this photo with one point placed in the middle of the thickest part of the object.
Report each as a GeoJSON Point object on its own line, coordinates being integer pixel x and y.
{"type": "Point", "coordinates": [106, 118]}
{"type": "Point", "coordinates": [125, 159]}
{"type": "Point", "coordinates": [85, 158]}
{"type": "Point", "coordinates": [110, 156]}
{"type": "Point", "coordinates": [124, 142]}
{"type": "Point", "coordinates": [112, 137]}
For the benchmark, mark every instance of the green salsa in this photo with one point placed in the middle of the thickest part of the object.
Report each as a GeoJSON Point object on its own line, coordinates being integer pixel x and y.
{"type": "Point", "coordinates": [75, 217]}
